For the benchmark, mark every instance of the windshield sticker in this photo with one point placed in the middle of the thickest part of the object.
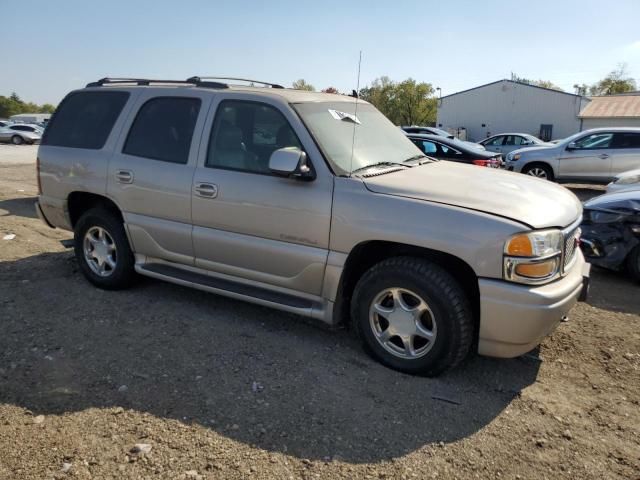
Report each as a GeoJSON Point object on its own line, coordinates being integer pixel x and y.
{"type": "Point", "coordinates": [344, 116]}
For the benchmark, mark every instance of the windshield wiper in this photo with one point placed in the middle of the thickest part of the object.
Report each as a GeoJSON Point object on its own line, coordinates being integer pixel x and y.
{"type": "Point", "coordinates": [381, 164]}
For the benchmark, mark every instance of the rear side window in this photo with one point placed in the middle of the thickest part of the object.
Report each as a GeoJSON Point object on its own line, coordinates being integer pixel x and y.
{"type": "Point", "coordinates": [626, 140]}
{"type": "Point", "coordinates": [85, 119]}
{"type": "Point", "coordinates": [163, 129]}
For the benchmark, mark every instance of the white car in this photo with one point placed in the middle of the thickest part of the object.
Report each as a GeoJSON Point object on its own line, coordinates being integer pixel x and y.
{"type": "Point", "coordinates": [508, 142]}
{"type": "Point", "coordinates": [21, 133]}
{"type": "Point", "coordinates": [625, 181]}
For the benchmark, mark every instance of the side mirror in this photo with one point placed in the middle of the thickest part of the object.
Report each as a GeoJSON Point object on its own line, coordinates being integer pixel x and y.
{"type": "Point", "coordinates": [291, 162]}
{"type": "Point", "coordinates": [572, 146]}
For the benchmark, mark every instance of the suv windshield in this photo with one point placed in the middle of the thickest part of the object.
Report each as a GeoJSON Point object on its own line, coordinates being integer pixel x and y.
{"type": "Point", "coordinates": [377, 140]}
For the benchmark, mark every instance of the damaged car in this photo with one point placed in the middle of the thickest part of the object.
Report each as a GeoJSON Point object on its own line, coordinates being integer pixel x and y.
{"type": "Point", "coordinates": [611, 231]}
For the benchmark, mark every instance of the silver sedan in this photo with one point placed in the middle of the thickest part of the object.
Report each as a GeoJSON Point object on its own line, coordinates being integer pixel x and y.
{"type": "Point", "coordinates": [21, 133]}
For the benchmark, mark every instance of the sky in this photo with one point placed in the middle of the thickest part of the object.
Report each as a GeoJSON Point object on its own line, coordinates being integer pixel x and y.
{"type": "Point", "coordinates": [51, 47]}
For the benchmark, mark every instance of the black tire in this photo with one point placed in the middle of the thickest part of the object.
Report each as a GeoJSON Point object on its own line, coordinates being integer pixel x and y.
{"type": "Point", "coordinates": [633, 263]}
{"type": "Point", "coordinates": [123, 274]}
{"type": "Point", "coordinates": [450, 307]}
{"type": "Point", "coordinates": [17, 140]}
{"type": "Point", "coordinates": [534, 167]}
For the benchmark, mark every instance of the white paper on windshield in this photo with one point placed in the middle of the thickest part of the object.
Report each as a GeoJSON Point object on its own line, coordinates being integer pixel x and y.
{"type": "Point", "coordinates": [344, 116]}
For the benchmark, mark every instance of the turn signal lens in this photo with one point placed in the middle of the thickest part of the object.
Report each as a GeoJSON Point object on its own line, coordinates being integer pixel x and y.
{"type": "Point", "coordinates": [519, 246]}
{"type": "Point", "coordinates": [537, 270]}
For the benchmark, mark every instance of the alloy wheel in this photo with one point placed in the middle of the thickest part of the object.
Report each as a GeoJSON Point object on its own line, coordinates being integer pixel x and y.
{"type": "Point", "coordinates": [402, 323]}
{"type": "Point", "coordinates": [100, 251]}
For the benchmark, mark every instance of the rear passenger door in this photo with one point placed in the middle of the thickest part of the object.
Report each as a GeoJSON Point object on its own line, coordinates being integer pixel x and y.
{"type": "Point", "coordinates": [152, 169]}
{"type": "Point", "coordinates": [625, 154]}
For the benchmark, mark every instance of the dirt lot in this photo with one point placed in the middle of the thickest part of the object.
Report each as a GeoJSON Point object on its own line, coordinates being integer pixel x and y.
{"type": "Point", "coordinates": [223, 389]}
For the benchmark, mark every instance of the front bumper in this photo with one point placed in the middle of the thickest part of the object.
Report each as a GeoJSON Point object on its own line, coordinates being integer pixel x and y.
{"type": "Point", "coordinates": [515, 318]}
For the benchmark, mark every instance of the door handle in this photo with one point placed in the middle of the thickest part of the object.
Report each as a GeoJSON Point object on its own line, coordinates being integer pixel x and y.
{"type": "Point", "coordinates": [124, 176]}
{"type": "Point", "coordinates": [603, 156]}
{"type": "Point", "coordinates": [206, 190]}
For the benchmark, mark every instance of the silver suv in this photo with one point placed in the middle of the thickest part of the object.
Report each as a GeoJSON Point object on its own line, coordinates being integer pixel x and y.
{"type": "Point", "coordinates": [596, 155]}
{"type": "Point", "coordinates": [314, 204]}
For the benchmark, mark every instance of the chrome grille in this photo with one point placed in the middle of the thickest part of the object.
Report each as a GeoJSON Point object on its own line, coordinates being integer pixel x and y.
{"type": "Point", "coordinates": [570, 246]}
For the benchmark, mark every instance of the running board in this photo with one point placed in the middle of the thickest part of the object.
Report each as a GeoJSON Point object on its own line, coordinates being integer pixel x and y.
{"type": "Point", "coordinates": [241, 291]}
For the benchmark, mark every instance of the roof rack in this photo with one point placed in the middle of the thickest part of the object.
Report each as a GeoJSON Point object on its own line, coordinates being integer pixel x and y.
{"type": "Point", "coordinates": [145, 81]}
{"type": "Point", "coordinates": [200, 79]}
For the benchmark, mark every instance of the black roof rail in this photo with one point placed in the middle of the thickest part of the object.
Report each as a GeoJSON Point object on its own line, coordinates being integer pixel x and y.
{"type": "Point", "coordinates": [145, 81]}
{"type": "Point", "coordinates": [272, 85]}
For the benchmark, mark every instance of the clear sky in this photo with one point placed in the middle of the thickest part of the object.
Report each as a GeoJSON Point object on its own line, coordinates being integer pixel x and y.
{"type": "Point", "coordinates": [50, 47]}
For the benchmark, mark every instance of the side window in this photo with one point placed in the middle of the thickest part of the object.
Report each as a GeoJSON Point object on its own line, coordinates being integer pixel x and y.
{"type": "Point", "coordinates": [626, 140]}
{"type": "Point", "coordinates": [496, 142]}
{"type": "Point", "coordinates": [448, 152]}
{"type": "Point", "coordinates": [163, 129]}
{"type": "Point", "coordinates": [594, 141]}
{"type": "Point", "coordinates": [245, 134]}
{"type": "Point", "coordinates": [85, 119]}
{"type": "Point", "coordinates": [429, 148]}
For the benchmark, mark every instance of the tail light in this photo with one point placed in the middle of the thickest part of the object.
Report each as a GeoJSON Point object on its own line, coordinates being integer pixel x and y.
{"type": "Point", "coordinates": [38, 175]}
{"type": "Point", "coordinates": [490, 162]}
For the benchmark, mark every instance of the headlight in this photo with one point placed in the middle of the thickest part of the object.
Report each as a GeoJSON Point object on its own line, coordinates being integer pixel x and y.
{"type": "Point", "coordinates": [628, 180]}
{"type": "Point", "coordinates": [533, 257]}
{"type": "Point", "coordinates": [515, 158]}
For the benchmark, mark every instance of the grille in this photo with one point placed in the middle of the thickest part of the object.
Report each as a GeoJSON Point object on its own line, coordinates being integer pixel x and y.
{"type": "Point", "coordinates": [570, 246]}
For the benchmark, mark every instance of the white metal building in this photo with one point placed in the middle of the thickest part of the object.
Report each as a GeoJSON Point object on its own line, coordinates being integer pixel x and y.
{"type": "Point", "coordinates": [30, 117]}
{"type": "Point", "coordinates": [612, 111]}
{"type": "Point", "coordinates": [509, 106]}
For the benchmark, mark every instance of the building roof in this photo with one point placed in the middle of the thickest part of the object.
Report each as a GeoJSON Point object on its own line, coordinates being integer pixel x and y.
{"type": "Point", "coordinates": [612, 106]}
{"type": "Point", "coordinates": [515, 83]}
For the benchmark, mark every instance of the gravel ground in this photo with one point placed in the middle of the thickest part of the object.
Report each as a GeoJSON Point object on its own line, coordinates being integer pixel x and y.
{"type": "Point", "coordinates": [165, 382]}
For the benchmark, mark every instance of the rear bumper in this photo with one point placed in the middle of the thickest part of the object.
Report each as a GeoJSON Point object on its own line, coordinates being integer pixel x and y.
{"type": "Point", "coordinates": [515, 318]}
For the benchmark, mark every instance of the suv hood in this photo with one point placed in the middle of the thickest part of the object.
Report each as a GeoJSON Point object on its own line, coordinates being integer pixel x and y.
{"type": "Point", "coordinates": [536, 203]}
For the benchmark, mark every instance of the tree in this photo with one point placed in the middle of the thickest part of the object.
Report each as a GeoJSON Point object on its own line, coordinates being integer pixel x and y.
{"type": "Point", "coordinates": [536, 83]}
{"type": "Point", "coordinates": [13, 105]}
{"type": "Point", "coordinates": [330, 90]}
{"type": "Point", "coordinates": [404, 103]}
{"type": "Point", "coordinates": [618, 81]}
{"type": "Point", "coordinates": [303, 85]}
{"type": "Point", "coordinates": [581, 88]}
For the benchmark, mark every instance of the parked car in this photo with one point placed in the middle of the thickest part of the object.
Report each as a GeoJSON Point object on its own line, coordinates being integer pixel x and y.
{"type": "Point", "coordinates": [508, 142]}
{"type": "Point", "coordinates": [4, 123]}
{"type": "Point", "coordinates": [611, 231]}
{"type": "Point", "coordinates": [625, 181]}
{"type": "Point", "coordinates": [596, 155]}
{"type": "Point", "coordinates": [338, 217]}
{"type": "Point", "coordinates": [20, 133]}
{"type": "Point", "coordinates": [416, 129]}
{"type": "Point", "coordinates": [454, 150]}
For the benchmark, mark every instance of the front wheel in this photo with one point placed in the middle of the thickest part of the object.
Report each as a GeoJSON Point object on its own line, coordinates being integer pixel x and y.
{"type": "Point", "coordinates": [412, 316]}
{"type": "Point", "coordinates": [538, 170]}
{"type": "Point", "coordinates": [102, 250]}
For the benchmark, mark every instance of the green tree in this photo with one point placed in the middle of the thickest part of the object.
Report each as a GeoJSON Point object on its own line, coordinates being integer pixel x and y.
{"type": "Point", "coordinates": [303, 85]}
{"type": "Point", "coordinates": [404, 103]}
{"type": "Point", "coordinates": [618, 81]}
{"type": "Point", "coordinates": [537, 83]}
{"type": "Point", "coordinates": [13, 105]}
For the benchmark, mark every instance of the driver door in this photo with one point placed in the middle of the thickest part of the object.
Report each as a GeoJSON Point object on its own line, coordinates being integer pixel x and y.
{"type": "Point", "coordinates": [249, 223]}
{"type": "Point", "coordinates": [588, 158]}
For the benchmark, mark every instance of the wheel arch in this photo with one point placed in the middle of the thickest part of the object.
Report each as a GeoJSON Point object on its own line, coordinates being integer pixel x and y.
{"type": "Point", "coordinates": [367, 254]}
{"type": "Point", "coordinates": [78, 202]}
{"type": "Point", "coordinates": [540, 163]}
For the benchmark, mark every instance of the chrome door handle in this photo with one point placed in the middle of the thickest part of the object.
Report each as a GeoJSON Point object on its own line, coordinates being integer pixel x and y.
{"type": "Point", "coordinates": [124, 176]}
{"type": "Point", "coordinates": [206, 190]}
{"type": "Point", "coordinates": [604, 156]}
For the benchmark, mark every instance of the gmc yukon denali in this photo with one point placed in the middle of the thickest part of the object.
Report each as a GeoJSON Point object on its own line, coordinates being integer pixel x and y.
{"type": "Point", "coordinates": [311, 203]}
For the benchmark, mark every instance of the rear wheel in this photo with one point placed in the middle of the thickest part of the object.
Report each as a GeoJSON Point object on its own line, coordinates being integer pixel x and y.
{"type": "Point", "coordinates": [102, 250]}
{"type": "Point", "coordinates": [412, 316]}
{"type": "Point", "coordinates": [539, 170]}
{"type": "Point", "coordinates": [633, 263]}
{"type": "Point", "coordinates": [17, 140]}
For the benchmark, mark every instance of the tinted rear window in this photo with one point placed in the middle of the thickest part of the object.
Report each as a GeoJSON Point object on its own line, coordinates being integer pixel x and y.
{"type": "Point", "coordinates": [85, 119]}
{"type": "Point", "coordinates": [163, 129]}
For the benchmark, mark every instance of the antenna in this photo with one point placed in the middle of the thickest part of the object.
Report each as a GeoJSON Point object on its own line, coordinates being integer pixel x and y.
{"type": "Point", "coordinates": [353, 139]}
